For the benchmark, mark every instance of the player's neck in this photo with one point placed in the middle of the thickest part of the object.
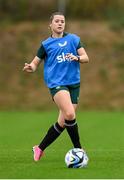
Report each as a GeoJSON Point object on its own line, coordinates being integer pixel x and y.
{"type": "Point", "coordinates": [57, 35]}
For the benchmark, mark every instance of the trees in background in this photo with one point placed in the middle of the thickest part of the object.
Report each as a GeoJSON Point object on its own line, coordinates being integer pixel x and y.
{"type": "Point", "coordinates": [19, 10]}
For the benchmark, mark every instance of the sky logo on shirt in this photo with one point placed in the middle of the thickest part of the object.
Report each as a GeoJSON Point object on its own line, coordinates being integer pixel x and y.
{"type": "Point", "coordinates": [63, 57]}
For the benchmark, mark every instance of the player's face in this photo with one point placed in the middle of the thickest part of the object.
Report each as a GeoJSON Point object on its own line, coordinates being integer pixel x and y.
{"type": "Point", "coordinates": [58, 24]}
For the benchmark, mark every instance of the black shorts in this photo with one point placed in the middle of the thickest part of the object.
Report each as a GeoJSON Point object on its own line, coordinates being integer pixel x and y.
{"type": "Point", "coordinates": [74, 91]}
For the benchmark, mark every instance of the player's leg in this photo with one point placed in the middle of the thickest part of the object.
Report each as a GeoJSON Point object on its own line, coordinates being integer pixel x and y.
{"type": "Point", "coordinates": [61, 119]}
{"type": "Point", "coordinates": [52, 134]}
{"type": "Point", "coordinates": [63, 101]}
{"type": "Point", "coordinates": [56, 129]}
{"type": "Point", "coordinates": [74, 94]}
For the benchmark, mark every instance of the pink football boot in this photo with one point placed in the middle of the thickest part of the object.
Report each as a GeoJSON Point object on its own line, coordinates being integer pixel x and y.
{"type": "Point", "coordinates": [37, 153]}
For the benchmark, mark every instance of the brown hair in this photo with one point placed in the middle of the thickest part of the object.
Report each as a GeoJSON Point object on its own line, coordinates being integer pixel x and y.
{"type": "Point", "coordinates": [55, 13]}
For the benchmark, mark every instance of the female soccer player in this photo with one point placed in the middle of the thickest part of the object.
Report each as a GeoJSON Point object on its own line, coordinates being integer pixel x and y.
{"type": "Point", "coordinates": [62, 53]}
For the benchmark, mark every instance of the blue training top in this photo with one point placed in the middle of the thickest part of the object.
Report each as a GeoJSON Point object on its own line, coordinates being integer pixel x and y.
{"type": "Point", "coordinates": [59, 70]}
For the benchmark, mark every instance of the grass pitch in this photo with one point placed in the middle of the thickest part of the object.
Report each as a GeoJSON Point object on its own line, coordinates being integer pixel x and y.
{"type": "Point", "coordinates": [102, 134]}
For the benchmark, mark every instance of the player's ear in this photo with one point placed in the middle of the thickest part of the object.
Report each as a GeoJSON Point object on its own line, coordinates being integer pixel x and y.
{"type": "Point", "coordinates": [49, 27]}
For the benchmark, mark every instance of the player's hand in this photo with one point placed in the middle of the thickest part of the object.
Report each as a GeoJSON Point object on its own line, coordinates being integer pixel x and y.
{"type": "Point", "coordinates": [71, 57]}
{"type": "Point", "coordinates": [28, 68]}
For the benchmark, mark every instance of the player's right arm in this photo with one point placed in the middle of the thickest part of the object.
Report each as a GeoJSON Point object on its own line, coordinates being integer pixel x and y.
{"type": "Point", "coordinates": [31, 67]}
{"type": "Point", "coordinates": [41, 54]}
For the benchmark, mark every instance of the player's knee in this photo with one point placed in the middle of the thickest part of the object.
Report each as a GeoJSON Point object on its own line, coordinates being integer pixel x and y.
{"type": "Point", "coordinates": [70, 114]}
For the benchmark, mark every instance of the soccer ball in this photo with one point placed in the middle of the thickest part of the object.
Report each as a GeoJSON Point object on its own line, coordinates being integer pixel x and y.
{"type": "Point", "coordinates": [76, 158]}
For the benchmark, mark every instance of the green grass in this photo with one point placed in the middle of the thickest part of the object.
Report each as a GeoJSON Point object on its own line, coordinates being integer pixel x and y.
{"type": "Point", "coordinates": [102, 134]}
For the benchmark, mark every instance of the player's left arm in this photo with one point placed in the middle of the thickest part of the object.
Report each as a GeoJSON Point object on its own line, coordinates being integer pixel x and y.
{"type": "Point", "coordinates": [82, 55]}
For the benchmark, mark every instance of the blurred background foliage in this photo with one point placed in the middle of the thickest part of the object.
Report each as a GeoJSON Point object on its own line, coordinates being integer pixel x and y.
{"type": "Point", "coordinates": [19, 10]}
{"type": "Point", "coordinates": [99, 23]}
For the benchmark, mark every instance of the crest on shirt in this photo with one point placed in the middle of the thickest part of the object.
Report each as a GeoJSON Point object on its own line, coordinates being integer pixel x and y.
{"type": "Point", "coordinates": [62, 44]}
